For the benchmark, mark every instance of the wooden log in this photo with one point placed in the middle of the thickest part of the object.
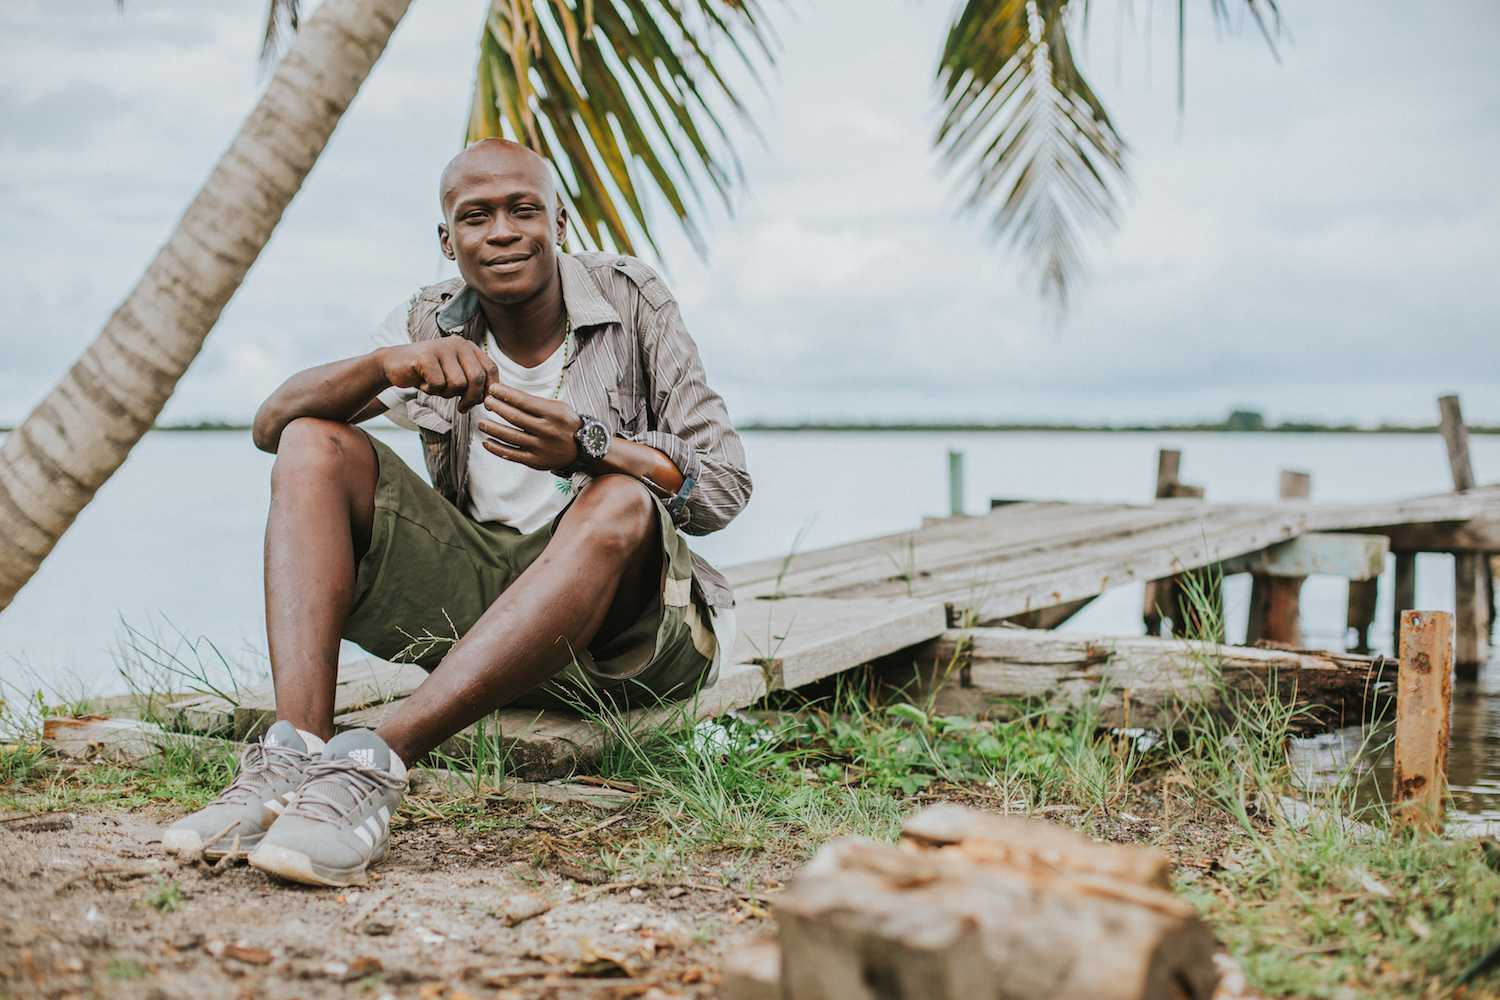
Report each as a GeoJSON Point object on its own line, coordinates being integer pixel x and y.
{"type": "Point", "coordinates": [1423, 703]}
{"type": "Point", "coordinates": [1148, 682]}
{"type": "Point", "coordinates": [1361, 612]}
{"type": "Point", "coordinates": [991, 917]}
{"type": "Point", "coordinates": [124, 741]}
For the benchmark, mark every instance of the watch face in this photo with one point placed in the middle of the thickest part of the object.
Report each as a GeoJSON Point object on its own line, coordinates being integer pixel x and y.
{"type": "Point", "coordinates": [594, 439]}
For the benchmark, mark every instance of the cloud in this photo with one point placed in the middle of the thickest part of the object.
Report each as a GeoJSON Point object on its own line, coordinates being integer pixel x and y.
{"type": "Point", "coordinates": [1316, 239]}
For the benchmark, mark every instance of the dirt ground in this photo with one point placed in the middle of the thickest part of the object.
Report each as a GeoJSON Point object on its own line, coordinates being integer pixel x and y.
{"type": "Point", "coordinates": [77, 919]}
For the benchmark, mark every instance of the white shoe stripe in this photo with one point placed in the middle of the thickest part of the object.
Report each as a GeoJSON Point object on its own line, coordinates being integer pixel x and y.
{"type": "Point", "coordinates": [369, 840]}
{"type": "Point", "coordinates": [274, 806]}
{"type": "Point", "coordinates": [373, 825]}
{"type": "Point", "coordinates": [385, 817]}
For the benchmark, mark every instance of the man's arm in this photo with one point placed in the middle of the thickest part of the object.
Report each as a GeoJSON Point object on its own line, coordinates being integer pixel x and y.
{"type": "Point", "coordinates": [346, 390]}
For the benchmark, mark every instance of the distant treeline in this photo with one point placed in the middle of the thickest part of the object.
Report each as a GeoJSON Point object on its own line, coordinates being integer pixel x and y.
{"type": "Point", "coordinates": [1240, 420]}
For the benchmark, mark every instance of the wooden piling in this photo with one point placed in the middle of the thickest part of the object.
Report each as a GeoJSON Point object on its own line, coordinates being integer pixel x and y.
{"type": "Point", "coordinates": [1166, 595]}
{"type": "Point", "coordinates": [1424, 695]}
{"type": "Point", "coordinates": [1276, 601]}
{"type": "Point", "coordinates": [1471, 575]}
{"type": "Point", "coordinates": [955, 483]}
{"type": "Point", "coordinates": [1161, 594]}
{"type": "Point", "coordinates": [1361, 612]}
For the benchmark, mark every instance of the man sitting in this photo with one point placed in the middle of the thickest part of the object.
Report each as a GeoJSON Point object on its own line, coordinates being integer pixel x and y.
{"type": "Point", "coordinates": [549, 545]}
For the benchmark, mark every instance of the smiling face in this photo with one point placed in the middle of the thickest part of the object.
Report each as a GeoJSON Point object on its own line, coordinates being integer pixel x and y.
{"type": "Point", "coordinates": [503, 222]}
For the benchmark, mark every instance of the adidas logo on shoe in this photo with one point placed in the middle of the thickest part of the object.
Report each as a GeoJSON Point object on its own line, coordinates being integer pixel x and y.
{"type": "Point", "coordinates": [364, 757]}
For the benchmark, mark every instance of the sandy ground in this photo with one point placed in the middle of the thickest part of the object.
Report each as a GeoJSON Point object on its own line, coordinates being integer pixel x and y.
{"type": "Point", "coordinates": [76, 919]}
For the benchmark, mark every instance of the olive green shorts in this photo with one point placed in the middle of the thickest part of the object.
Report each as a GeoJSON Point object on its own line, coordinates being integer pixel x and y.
{"type": "Point", "coordinates": [431, 571]}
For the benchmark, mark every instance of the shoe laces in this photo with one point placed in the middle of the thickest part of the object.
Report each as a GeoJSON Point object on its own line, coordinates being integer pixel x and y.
{"type": "Point", "coordinates": [334, 788]}
{"type": "Point", "coordinates": [259, 766]}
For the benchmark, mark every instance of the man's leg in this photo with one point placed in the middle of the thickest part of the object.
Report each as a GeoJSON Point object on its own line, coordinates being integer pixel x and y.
{"type": "Point", "coordinates": [322, 513]}
{"type": "Point", "coordinates": [599, 572]}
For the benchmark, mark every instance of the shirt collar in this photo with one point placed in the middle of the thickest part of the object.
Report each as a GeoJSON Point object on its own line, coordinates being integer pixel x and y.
{"type": "Point", "coordinates": [586, 307]}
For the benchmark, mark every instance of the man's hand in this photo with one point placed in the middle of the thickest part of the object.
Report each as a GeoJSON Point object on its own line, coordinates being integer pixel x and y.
{"type": "Point", "coordinates": [542, 431]}
{"type": "Point", "coordinates": [447, 366]}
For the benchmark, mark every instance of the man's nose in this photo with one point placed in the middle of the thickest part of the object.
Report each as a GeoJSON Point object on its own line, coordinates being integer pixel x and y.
{"type": "Point", "coordinates": [502, 231]}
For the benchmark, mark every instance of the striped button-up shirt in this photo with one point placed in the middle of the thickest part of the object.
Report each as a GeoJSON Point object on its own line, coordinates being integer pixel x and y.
{"type": "Point", "coordinates": [636, 370]}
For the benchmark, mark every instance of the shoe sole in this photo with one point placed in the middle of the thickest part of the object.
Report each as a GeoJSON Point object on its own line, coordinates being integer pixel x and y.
{"type": "Point", "coordinates": [296, 866]}
{"type": "Point", "coordinates": [188, 842]}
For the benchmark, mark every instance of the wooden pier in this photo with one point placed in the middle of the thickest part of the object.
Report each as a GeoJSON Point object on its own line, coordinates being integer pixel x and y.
{"type": "Point", "coordinates": [967, 602]}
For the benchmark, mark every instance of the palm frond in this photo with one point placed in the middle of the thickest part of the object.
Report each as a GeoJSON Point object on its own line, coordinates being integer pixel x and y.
{"type": "Point", "coordinates": [623, 97]}
{"type": "Point", "coordinates": [1025, 128]}
{"type": "Point", "coordinates": [282, 20]}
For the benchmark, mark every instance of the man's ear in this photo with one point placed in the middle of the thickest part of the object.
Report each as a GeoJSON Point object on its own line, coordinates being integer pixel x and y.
{"type": "Point", "coordinates": [445, 241]}
{"type": "Point", "coordinates": [562, 225]}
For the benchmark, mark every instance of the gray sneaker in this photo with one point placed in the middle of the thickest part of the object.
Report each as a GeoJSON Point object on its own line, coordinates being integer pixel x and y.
{"type": "Point", "coordinates": [339, 824]}
{"type": "Point", "coordinates": [270, 772]}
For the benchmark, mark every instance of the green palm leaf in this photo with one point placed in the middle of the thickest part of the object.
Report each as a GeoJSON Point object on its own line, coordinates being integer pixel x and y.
{"type": "Point", "coordinates": [1024, 129]}
{"type": "Point", "coordinates": [620, 95]}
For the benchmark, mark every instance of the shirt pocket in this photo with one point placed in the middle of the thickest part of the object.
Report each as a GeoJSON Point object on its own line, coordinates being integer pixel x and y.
{"type": "Point", "coordinates": [629, 409]}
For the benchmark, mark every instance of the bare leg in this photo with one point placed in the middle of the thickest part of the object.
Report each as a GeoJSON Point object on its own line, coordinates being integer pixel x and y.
{"type": "Point", "coordinates": [322, 513]}
{"type": "Point", "coordinates": [599, 572]}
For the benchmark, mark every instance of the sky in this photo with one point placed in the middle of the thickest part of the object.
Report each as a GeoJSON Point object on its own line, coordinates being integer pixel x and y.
{"type": "Point", "coordinates": [1316, 238]}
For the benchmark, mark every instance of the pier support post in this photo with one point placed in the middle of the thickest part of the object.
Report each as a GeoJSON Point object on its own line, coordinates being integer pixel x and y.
{"type": "Point", "coordinates": [1471, 575]}
{"type": "Point", "coordinates": [1276, 601]}
{"type": "Point", "coordinates": [955, 483]}
{"type": "Point", "coordinates": [1424, 695]}
{"type": "Point", "coordinates": [1404, 591]}
{"type": "Point", "coordinates": [1166, 595]}
{"type": "Point", "coordinates": [1362, 595]}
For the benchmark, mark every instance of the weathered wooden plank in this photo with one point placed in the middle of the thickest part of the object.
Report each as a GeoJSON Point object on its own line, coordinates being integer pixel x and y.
{"type": "Point", "coordinates": [1361, 612]}
{"type": "Point", "coordinates": [248, 713]}
{"type": "Point", "coordinates": [1135, 681]}
{"type": "Point", "coordinates": [807, 640]}
{"type": "Point", "coordinates": [1478, 535]}
{"type": "Point", "coordinates": [1424, 702]}
{"type": "Point", "coordinates": [1352, 556]}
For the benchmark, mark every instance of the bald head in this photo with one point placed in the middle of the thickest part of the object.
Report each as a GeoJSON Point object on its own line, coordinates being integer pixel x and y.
{"type": "Point", "coordinates": [489, 159]}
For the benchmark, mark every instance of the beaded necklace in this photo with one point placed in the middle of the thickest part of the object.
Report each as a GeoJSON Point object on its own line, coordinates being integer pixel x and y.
{"type": "Point", "coordinates": [567, 345]}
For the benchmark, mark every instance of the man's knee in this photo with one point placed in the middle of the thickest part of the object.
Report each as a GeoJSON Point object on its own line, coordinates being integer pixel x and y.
{"type": "Point", "coordinates": [322, 448]}
{"type": "Point", "coordinates": [616, 512]}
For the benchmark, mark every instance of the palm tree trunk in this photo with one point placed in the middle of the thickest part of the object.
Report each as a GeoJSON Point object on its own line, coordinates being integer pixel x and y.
{"type": "Point", "coordinates": [80, 434]}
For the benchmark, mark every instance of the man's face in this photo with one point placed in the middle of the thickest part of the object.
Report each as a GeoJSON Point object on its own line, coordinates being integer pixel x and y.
{"type": "Point", "coordinates": [503, 223]}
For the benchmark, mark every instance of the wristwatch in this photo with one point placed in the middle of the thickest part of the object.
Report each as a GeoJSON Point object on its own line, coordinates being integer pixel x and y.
{"type": "Point", "coordinates": [593, 444]}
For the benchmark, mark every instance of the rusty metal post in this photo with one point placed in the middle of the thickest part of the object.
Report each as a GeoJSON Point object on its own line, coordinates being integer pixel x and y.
{"type": "Point", "coordinates": [1424, 695]}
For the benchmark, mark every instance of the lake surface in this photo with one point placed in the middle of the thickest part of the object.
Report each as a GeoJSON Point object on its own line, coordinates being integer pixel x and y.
{"type": "Point", "coordinates": [171, 546]}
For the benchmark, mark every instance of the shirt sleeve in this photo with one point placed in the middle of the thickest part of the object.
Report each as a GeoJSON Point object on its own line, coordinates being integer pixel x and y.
{"type": "Point", "coordinates": [392, 332]}
{"type": "Point", "coordinates": [692, 427]}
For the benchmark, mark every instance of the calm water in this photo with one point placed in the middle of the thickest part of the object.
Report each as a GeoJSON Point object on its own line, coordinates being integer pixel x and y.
{"type": "Point", "coordinates": [172, 544]}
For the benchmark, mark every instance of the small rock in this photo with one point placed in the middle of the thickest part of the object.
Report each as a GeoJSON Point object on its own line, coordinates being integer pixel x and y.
{"type": "Point", "coordinates": [366, 965]}
{"type": "Point", "coordinates": [335, 969]}
{"type": "Point", "coordinates": [375, 929]}
{"type": "Point", "coordinates": [250, 956]}
{"type": "Point", "coordinates": [675, 891]}
{"type": "Point", "coordinates": [215, 947]}
{"type": "Point", "coordinates": [519, 909]}
{"type": "Point", "coordinates": [636, 892]}
{"type": "Point", "coordinates": [187, 941]}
